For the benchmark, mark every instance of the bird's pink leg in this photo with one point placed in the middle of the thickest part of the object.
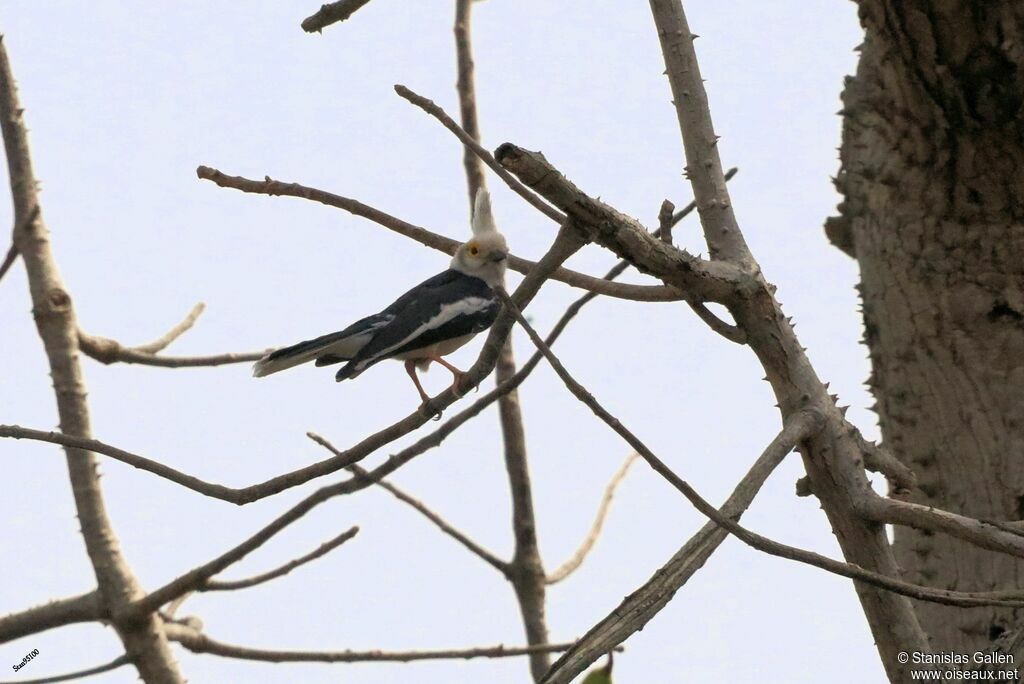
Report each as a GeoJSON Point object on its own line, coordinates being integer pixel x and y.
{"type": "Point", "coordinates": [455, 372]}
{"type": "Point", "coordinates": [410, 368]}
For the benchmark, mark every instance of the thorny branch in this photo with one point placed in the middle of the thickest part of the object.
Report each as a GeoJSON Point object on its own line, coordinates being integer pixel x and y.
{"type": "Point", "coordinates": [69, 611]}
{"type": "Point", "coordinates": [637, 609]}
{"type": "Point", "coordinates": [667, 219]}
{"type": "Point", "coordinates": [752, 539]}
{"type": "Point", "coordinates": [143, 639]}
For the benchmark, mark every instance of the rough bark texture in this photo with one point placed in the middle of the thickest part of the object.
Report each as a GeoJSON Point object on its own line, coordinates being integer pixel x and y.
{"type": "Point", "coordinates": [144, 639]}
{"type": "Point", "coordinates": [525, 571]}
{"type": "Point", "coordinates": [933, 179]}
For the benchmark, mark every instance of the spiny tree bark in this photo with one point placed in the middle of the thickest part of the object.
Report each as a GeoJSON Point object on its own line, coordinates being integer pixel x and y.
{"type": "Point", "coordinates": [933, 179]}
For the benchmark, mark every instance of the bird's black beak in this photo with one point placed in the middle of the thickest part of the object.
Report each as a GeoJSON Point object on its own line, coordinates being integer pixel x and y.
{"type": "Point", "coordinates": [499, 255]}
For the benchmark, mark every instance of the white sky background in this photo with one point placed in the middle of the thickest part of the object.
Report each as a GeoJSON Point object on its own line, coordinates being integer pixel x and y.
{"type": "Point", "coordinates": [124, 100]}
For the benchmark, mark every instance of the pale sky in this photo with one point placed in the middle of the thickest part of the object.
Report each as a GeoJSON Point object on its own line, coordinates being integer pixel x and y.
{"type": "Point", "coordinates": [124, 100]}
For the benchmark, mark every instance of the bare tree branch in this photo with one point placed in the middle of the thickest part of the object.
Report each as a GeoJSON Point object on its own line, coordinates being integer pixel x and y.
{"type": "Point", "coordinates": [699, 279]}
{"type": "Point", "coordinates": [640, 293]}
{"type": "Point", "coordinates": [726, 330]}
{"type": "Point", "coordinates": [637, 609]}
{"type": "Point", "coordinates": [196, 578]}
{"type": "Point", "coordinates": [106, 350]}
{"type": "Point", "coordinates": [331, 13]}
{"type": "Point", "coordinates": [19, 226]}
{"type": "Point", "coordinates": [880, 460]}
{"type": "Point", "coordinates": [81, 608]}
{"type": "Point", "coordinates": [753, 539]}
{"type": "Point", "coordinates": [109, 351]}
{"type": "Point", "coordinates": [570, 566]}
{"type": "Point", "coordinates": [980, 533]}
{"type": "Point", "coordinates": [442, 524]}
{"type": "Point", "coordinates": [526, 569]}
{"type": "Point", "coordinates": [703, 164]}
{"type": "Point", "coordinates": [832, 458]}
{"type": "Point", "coordinates": [144, 640]}
{"type": "Point", "coordinates": [281, 571]}
{"type": "Point", "coordinates": [162, 342]}
{"type": "Point", "coordinates": [12, 256]}
{"type": "Point", "coordinates": [473, 147]}
{"type": "Point", "coordinates": [197, 642]}
{"type": "Point", "coordinates": [666, 219]}
{"type": "Point", "coordinates": [688, 209]}
{"type": "Point", "coordinates": [114, 664]}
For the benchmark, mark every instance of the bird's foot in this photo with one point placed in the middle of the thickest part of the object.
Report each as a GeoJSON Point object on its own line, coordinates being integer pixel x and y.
{"type": "Point", "coordinates": [428, 409]}
{"type": "Point", "coordinates": [456, 382]}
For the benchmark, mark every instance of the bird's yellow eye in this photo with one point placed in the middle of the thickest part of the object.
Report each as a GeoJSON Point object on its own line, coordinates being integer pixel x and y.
{"type": "Point", "coordinates": [473, 250]}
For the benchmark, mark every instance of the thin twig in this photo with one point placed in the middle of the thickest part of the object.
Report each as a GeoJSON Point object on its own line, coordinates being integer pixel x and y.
{"type": "Point", "coordinates": [110, 351]}
{"type": "Point", "coordinates": [197, 578]}
{"type": "Point", "coordinates": [637, 609]}
{"type": "Point", "coordinates": [640, 293]}
{"type": "Point", "coordinates": [19, 226]}
{"type": "Point", "coordinates": [570, 566]}
{"type": "Point", "coordinates": [197, 642]}
{"type": "Point", "coordinates": [728, 331]}
{"type": "Point", "coordinates": [281, 571]}
{"type": "Point", "coordinates": [482, 153]}
{"type": "Point", "coordinates": [753, 539]}
{"type": "Point", "coordinates": [331, 13]}
{"type": "Point", "coordinates": [161, 343]}
{"type": "Point", "coordinates": [442, 524]}
{"type": "Point", "coordinates": [114, 664]}
{"type": "Point", "coordinates": [12, 256]}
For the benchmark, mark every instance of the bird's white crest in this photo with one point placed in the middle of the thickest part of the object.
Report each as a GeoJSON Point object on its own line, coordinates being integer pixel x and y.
{"type": "Point", "coordinates": [483, 218]}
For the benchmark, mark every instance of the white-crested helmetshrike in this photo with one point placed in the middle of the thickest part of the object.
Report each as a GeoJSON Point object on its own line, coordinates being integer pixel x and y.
{"type": "Point", "coordinates": [429, 321]}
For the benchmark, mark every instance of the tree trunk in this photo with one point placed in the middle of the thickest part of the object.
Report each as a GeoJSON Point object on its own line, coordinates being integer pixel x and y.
{"type": "Point", "coordinates": [933, 179]}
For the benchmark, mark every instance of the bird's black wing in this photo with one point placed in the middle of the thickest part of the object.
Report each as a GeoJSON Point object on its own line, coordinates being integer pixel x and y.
{"type": "Point", "coordinates": [449, 305]}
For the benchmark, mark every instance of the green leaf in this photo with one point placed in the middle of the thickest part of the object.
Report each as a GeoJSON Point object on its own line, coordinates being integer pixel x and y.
{"type": "Point", "coordinates": [600, 675]}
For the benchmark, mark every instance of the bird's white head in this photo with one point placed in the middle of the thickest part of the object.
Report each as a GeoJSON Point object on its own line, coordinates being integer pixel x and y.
{"type": "Point", "coordinates": [485, 255]}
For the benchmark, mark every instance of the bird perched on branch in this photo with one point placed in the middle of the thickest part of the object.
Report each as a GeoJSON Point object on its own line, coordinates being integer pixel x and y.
{"type": "Point", "coordinates": [429, 321]}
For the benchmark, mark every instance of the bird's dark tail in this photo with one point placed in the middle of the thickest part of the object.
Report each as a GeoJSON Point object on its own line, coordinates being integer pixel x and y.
{"type": "Point", "coordinates": [338, 346]}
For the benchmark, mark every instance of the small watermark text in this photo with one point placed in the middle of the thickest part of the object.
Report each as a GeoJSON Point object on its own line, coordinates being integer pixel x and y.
{"type": "Point", "coordinates": [980, 666]}
{"type": "Point", "coordinates": [26, 660]}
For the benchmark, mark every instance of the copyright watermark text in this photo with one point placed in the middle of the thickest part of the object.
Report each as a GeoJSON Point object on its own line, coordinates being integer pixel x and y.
{"type": "Point", "coordinates": [965, 666]}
